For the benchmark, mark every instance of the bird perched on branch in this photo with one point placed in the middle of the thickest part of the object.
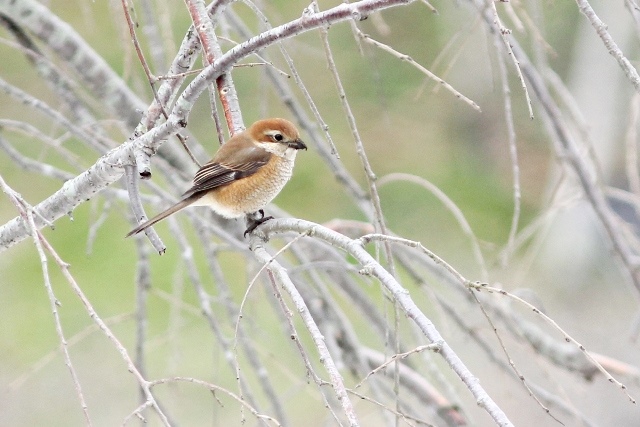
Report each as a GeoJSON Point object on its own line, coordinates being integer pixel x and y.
{"type": "Point", "coordinates": [244, 175]}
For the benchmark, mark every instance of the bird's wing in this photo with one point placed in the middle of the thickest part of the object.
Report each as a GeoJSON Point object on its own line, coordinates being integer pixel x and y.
{"type": "Point", "coordinates": [243, 162]}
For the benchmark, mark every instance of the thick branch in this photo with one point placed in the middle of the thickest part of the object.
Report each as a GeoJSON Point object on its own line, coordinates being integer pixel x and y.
{"type": "Point", "coordinates": [109, 168]}
{"type": "Point", "coordinates": [67, 43]}
{"type": "Point", "coordinates": [371, 267]}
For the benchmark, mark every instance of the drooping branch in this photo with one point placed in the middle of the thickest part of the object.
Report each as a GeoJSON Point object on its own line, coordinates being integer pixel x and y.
{"type": "Point", "coordinates": [369, 266]}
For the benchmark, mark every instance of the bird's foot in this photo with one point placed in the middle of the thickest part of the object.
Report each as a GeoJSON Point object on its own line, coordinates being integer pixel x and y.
{"type": "Point", "coordinates": [253, 222]}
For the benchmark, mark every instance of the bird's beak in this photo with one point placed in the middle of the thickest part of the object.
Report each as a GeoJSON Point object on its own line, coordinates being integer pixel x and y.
{"type": "Point", "coordinates": [297, 144]}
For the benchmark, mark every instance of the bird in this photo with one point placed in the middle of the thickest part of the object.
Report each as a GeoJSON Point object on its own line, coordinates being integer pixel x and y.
{"type": "Point", "coordinates": [244, 175]}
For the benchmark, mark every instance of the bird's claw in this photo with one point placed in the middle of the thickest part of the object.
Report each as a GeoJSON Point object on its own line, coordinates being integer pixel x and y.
{"type": "Point", "coordinates": [255, 222]}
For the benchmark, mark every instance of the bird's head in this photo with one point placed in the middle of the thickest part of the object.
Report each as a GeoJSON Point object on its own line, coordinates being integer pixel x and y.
{"type": "Point", "coordinates": [276, 135]}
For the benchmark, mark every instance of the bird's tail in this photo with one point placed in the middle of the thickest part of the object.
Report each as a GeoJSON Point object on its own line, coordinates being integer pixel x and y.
{"type": "Point", "coordinates": [162, 215]}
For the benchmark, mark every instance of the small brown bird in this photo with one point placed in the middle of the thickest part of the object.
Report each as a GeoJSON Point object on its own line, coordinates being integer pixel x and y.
{"type": "Point", "coordinates": [244, 175]}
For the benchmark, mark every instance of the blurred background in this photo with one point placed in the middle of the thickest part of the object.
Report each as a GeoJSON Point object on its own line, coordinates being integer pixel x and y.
{"type": "Point", "coordinates": [409, 124]}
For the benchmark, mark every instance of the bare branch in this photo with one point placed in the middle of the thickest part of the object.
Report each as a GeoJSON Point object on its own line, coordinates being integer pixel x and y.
{"type": "Point", "coordinates": [373, 268]}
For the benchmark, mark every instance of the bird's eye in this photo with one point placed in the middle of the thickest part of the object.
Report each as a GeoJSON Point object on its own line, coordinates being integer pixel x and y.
{"type": "Point", "coordinates": [278, 137]}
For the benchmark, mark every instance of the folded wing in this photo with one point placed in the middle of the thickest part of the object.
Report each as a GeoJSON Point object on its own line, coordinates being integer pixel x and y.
{"type": "Point", "coordinates": [218, 173]}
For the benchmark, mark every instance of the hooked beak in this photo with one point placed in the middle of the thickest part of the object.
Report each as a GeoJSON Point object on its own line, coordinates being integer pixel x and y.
{"type": "Point", "coordinates": [297, 144]}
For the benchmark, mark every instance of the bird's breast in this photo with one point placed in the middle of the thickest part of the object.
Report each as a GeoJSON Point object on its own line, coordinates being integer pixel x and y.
{"type": "Point", "coordinates": [252, 193]}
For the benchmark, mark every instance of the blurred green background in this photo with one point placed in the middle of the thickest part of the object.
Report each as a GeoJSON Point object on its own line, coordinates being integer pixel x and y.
{"type": "Point", "coordinates": [406, 126]}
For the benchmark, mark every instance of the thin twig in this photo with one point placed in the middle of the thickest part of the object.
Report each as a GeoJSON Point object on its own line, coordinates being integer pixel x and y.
{"type": "Point", "coordinates": [512, 364]}
{"type": "Point", "coordinates": [431, 347]}
{"type": "Point", "coordinates": [150, 77]}
{"type": "Point", "coordinates": [281, 276]}
{"type": "Point", "coordinates": [609, 43]}
{"type": "Point", "coordinates": [138, 210]}
{"type": "Point", "coordinates": [451, 207]}
{"type": "Point", "coordinates": [485, 287]}
{"type": "Point", "coordinates": [144, 384]}
{"type": "Point", "coordinates": [214, 388]}
{"type": "Point", "coordinates": [513, 153]}
{"type": "Point", "coordinates": [504, 32]}
{"type": "Point", "coordinates": [367, 38]}
{"type": "Point", "coordinates": [38, 239]}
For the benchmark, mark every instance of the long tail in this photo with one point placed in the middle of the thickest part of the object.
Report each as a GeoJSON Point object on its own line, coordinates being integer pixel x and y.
{"type": "Point", "coordinates": [162, 215]}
